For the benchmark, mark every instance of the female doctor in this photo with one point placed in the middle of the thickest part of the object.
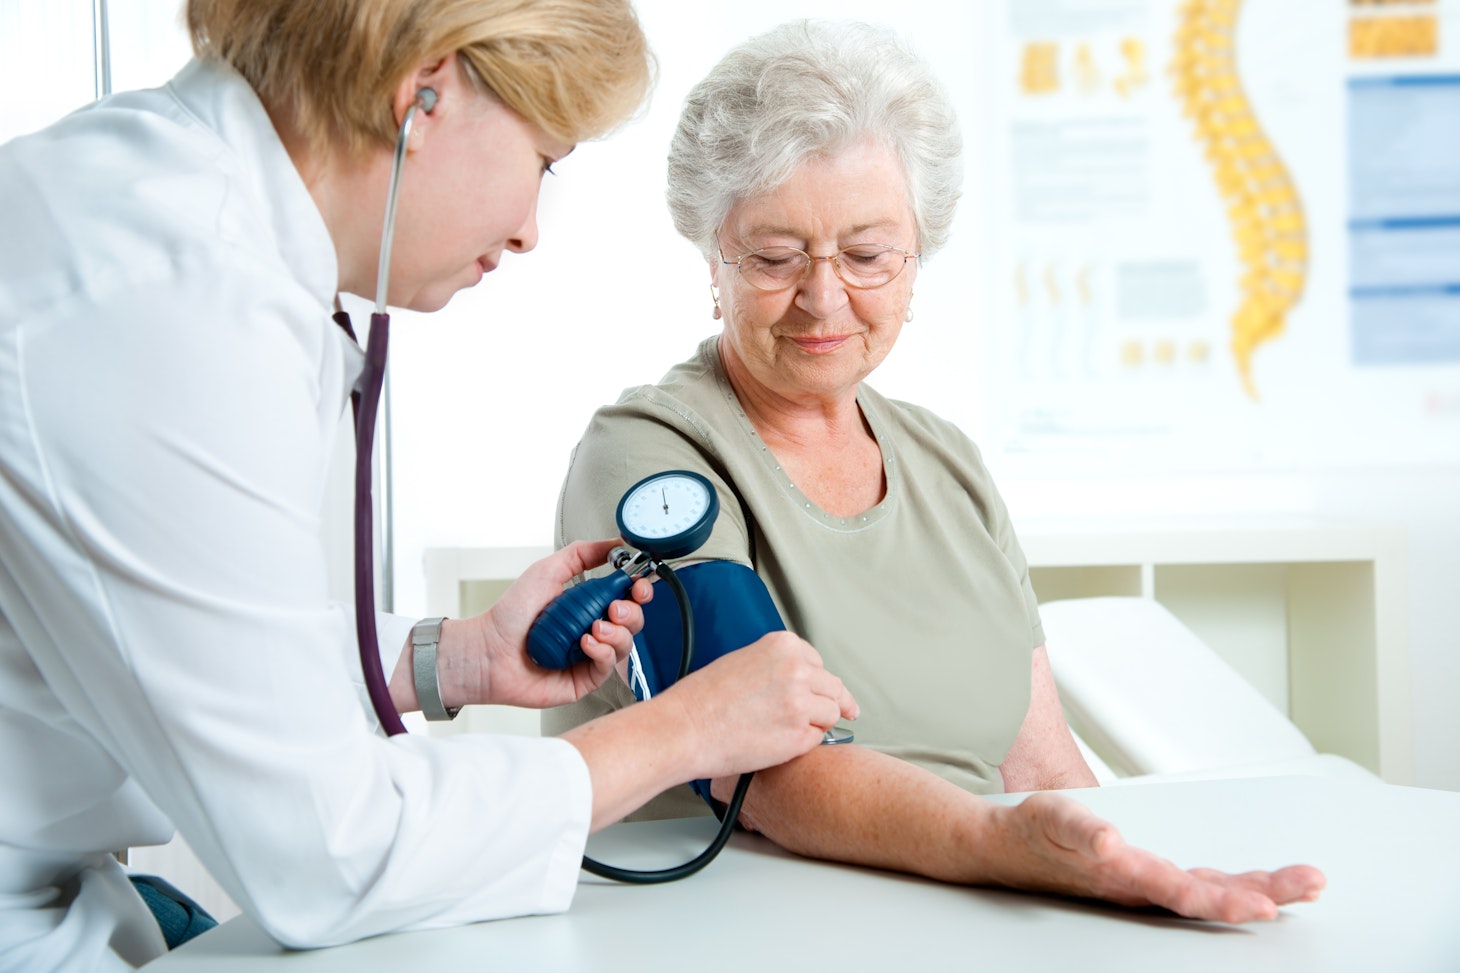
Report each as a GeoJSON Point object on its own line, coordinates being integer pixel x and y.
{"type": "Point", "coordinates": [170, 386]}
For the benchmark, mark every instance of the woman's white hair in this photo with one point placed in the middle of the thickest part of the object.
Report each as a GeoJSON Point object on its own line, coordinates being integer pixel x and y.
{"type": "Point", "coordinates": [811, 88]}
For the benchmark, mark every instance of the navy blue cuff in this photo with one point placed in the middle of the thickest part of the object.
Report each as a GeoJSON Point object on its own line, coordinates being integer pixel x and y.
{"type": "Point", "coordinates": [730, 607]}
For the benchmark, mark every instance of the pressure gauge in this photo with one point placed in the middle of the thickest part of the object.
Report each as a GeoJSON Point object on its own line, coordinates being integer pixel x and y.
{"type": "Point", "coordinates": [669, 514]}
{"type": "Point", "coordinates": [666, 515]}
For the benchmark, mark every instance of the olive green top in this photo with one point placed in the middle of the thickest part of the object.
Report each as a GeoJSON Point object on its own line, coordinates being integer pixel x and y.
{"type": "Point", "coordinates": [921, 604]}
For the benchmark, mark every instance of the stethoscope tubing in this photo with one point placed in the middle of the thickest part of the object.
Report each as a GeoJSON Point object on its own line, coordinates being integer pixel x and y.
{"type": "Point", "coordinates": [372, 380]}
{"type": "Point", "coordinates": [425, 101]}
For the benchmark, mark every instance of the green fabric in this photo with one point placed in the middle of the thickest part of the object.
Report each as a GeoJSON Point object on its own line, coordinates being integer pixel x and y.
{"type": "Point", "coordinates": [922, 604]}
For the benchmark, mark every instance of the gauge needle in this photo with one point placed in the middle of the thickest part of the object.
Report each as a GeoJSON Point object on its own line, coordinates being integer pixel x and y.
{"type": "Point", "coordinates": [665, 497]}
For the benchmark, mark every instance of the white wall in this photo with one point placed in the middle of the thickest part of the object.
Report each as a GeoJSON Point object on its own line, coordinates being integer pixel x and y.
{"type": "Point", "coordinates": [490, 395]}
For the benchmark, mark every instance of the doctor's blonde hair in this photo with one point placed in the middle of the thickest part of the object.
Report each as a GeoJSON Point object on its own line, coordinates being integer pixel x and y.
{"type": "Point", "coordinates": [575, 68]}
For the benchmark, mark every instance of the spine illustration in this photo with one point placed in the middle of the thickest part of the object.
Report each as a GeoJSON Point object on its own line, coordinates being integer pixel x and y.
{"type": "Point", "coordinates": [1264, 209]}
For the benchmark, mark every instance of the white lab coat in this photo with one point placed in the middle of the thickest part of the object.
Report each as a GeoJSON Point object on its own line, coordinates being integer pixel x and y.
{"type": "Point", "coordinates": [170, 388]}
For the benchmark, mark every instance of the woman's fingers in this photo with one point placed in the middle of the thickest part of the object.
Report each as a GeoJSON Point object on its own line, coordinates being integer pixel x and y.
{"type": "Point", "coordinates": [1072, 827]}
{"type": "Point", "coordinates": [1294, 883]}
{"type": "Point", "coordinates": [1085, 855]}
{"type": "Point", "coordinates": [1207, 893]}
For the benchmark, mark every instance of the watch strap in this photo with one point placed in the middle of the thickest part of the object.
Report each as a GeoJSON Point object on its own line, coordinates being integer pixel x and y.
{"type": "Point", "coordinates": [425, 637]}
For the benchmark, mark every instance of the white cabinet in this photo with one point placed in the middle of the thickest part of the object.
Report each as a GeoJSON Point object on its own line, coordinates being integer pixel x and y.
{"type": "Point", "coordinates": [1313, 613]}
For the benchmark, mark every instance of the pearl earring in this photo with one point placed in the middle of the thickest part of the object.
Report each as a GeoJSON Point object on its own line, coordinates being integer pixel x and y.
{"type": "Point", "coordinates": [715, 314]}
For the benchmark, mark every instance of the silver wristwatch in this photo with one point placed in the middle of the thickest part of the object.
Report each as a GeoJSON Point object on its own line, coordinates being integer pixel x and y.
{"type": "Point", "coordinates": [425, 636]}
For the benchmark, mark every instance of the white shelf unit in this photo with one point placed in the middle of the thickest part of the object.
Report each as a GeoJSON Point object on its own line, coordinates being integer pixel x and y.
{"type": "Point", "coordinates": [1313, 613]}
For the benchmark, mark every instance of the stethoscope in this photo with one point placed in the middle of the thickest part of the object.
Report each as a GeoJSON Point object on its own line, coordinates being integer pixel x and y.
{"type": "Point", "coordinates": [365, 402]}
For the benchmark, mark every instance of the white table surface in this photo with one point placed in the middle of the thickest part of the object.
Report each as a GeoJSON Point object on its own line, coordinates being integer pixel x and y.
{"type": "Point", "coordinates": [1391, 854]}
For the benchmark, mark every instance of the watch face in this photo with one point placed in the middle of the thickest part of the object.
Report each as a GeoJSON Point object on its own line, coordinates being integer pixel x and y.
{"type": "Point", "coordinates": [668, 514]}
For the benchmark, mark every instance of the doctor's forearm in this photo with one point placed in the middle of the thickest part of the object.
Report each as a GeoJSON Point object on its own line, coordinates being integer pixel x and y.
{"type": "Point", "coordinates": [458, 672]}
{"type": "Point", "coordinates": [633, 755]}
{"type": "Point", "coordinates": [851, 804]}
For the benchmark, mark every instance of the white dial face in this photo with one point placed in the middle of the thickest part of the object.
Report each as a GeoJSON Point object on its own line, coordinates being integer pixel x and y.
{"type": "Point", "coordinates": [665, 506]}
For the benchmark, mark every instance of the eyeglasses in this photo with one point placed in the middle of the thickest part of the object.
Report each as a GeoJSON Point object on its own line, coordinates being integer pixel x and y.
{"type": "Point", "coordinates": [864, 266]}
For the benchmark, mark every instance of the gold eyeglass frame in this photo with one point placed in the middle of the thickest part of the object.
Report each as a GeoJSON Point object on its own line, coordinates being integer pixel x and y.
{"type": "Point", "coordinates": [811, 262]}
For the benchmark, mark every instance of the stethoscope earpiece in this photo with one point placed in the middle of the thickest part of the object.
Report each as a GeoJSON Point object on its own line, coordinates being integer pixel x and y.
{"type": "Point", "coordinates": [372, 381]}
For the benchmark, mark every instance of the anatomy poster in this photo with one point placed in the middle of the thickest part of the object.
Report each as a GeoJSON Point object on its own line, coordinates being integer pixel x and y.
{"type": "Point", "coordinates": [1227, 233]}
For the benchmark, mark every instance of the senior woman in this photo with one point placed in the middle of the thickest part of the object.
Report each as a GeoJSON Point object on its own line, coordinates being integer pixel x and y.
{"type": "Point", "coordinates": [170, 387]}
{"type": "Point", "coordinates": [814, 168]}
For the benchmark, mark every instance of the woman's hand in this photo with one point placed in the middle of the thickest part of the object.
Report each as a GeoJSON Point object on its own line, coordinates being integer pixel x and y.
{"type": "Point", "coordinates": [1050, 843]}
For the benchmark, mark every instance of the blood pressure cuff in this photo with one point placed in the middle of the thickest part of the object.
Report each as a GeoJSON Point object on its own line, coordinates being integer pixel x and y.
{"type": "Point", "coordinates": [730, 608]}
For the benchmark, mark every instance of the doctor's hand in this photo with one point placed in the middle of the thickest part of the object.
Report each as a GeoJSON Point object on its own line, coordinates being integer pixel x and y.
{"type": "Point", "coordinates": [753, 708]}
{"type": "Point", "coordinates": [484, 659]}
{"type": "Point", "coordinates": [1050, 843]}
{"type": "Point", "coordinates": [761, 705]}
{"type": "Point", "coordinates": [509, 676]}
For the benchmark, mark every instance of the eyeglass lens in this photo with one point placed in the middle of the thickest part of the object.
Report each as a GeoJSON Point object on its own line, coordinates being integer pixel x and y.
{"type": "Point", "coordinates": [865, 265]}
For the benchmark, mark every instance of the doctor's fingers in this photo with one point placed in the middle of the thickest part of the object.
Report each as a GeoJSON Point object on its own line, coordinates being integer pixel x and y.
{"type": "Point", "coordinates": [796, 665]}
{"type": "Point", "coordinates": [601, 658]}
{"type": "Point", "coordinates": [642, 591]}
{"type": "Point", "coordinates": [629, 614]}
{"type": "Point", "coordinates": [581, 556]}
{"type": "Point", "coordinates": [775, 684]}
{"type": "Point", "coordinates": [831, 699]}
{"type": "Point", "coordinates": [805, 698]}
{"type": "Point", "coordinates": [618, 638]}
